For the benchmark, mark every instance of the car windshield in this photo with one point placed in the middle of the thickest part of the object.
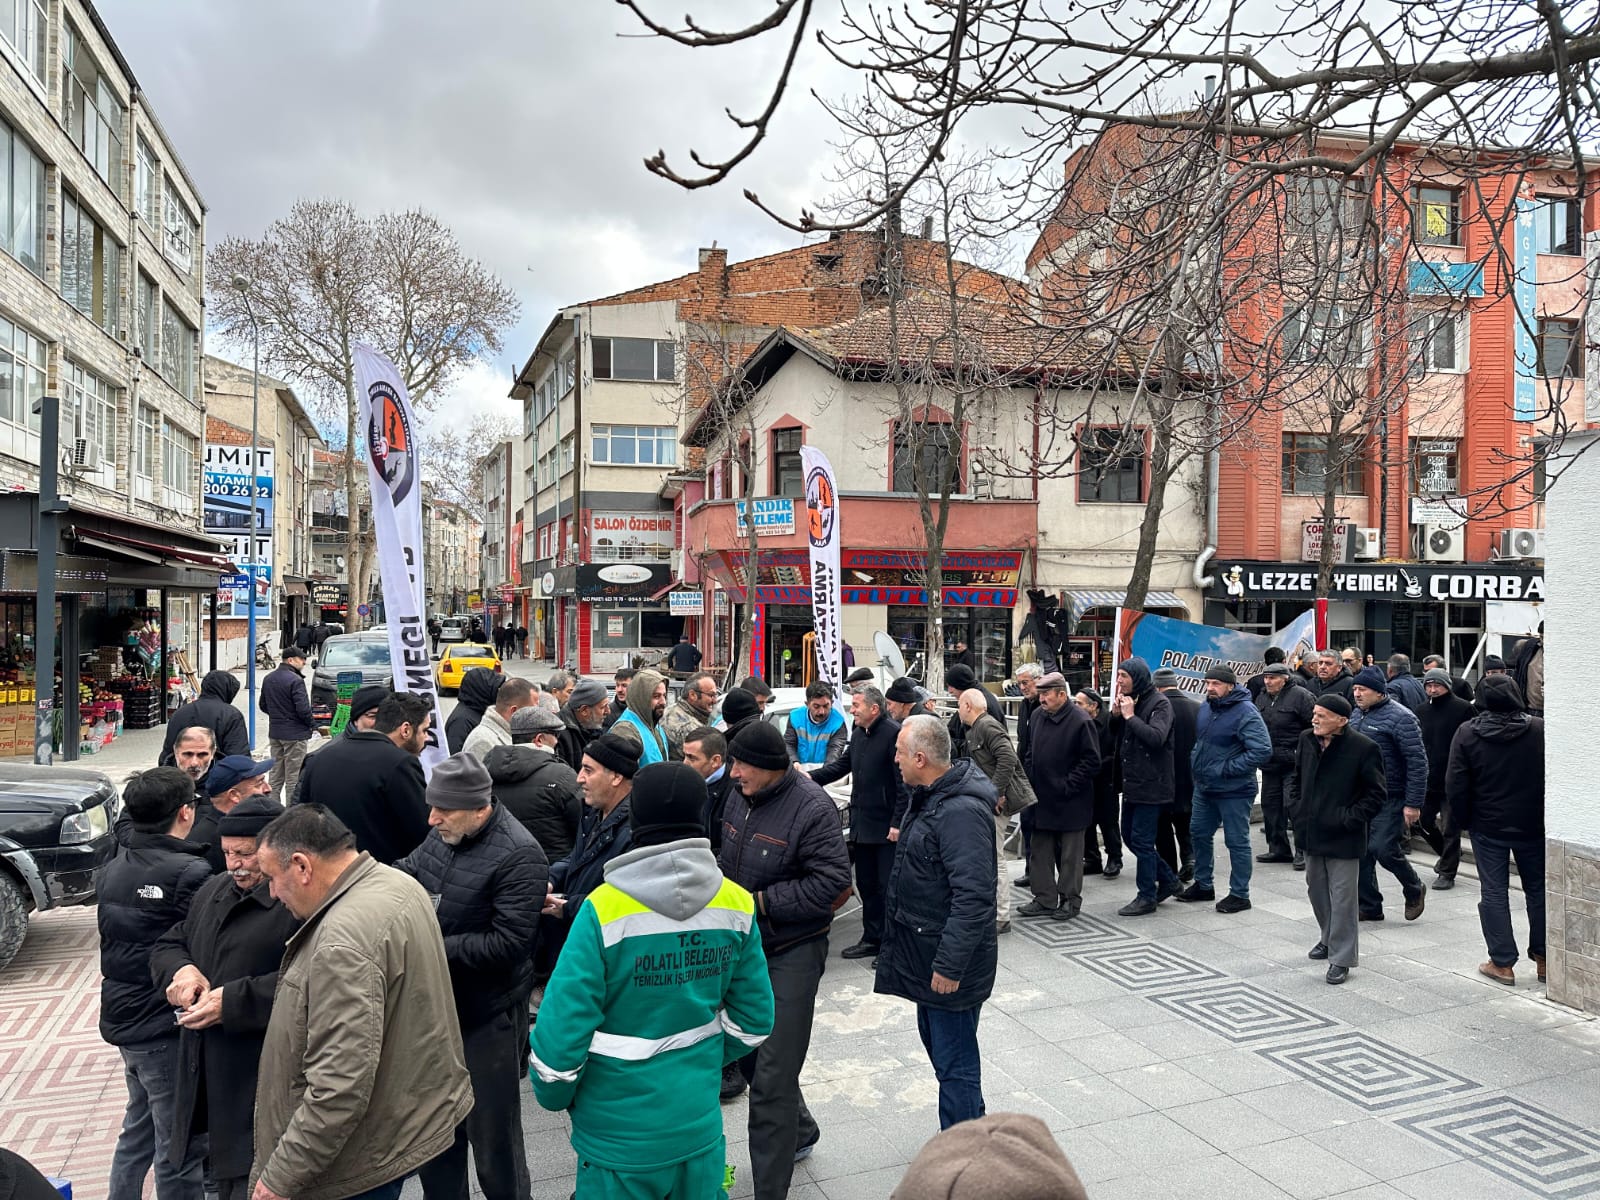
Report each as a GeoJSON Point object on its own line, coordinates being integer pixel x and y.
{"type": "Point", "coordinates": [469, 650]}
{"type": "Point", "coordinates": [355, 654]}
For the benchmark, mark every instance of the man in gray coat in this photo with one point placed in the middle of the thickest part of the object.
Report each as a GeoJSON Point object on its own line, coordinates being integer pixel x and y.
{"type": "Point", "coordinates": [990, 748]}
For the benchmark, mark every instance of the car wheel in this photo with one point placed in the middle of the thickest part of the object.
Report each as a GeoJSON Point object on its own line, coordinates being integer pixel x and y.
{"type": "Point", "coordinates": [13, 918]}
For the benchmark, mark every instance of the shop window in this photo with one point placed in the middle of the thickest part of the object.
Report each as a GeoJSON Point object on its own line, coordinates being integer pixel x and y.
{"type": "Point", "coordinates": [91, 266]}
{"type": "Point", "coordinates": [1306, 464]}
{"type": "Point", "coordinates": [1434, 466]}
{"type": "Point", "coordinates": [22, 366]}
{"type": "Point", "coordinates": [91, 110]}
{"type": "Point", "coordinates": [936, 447]}
{"type": "Point", "coordinates": [22, 199]}
{"type": "Point", "coordinates": [634, 445]}
{"type": "Point", "coordinates": [1560, 348]}
{"type": "Point", "coordinates": [787, 477]}
{"type": "Point", "coordinates": [1111, 466]}
{"type": "Point", "coordinates": [1437, 212]}
{"type": "Point", "coordinates": [1558, 225]}
{"type": "Point", "coordinates": [633, 358]}
{"type": "Point", "coordinates": [1439, 340]}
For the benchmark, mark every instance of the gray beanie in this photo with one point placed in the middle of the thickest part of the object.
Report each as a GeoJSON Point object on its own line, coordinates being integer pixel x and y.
{"type": "Point", "coordinates": [1165, 677]}
{"type": "Point", "coordinates": [460, 781]}
{"type": "Point", "coordinates": [1437, 675]}
{"type": "Point", "coordinates": [586, 693]}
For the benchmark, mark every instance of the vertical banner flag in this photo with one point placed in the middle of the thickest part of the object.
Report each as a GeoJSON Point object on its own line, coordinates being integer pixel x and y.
{"type": "Point", "coordinates": [393, 471]}
{"type": "Point", "coordinates": [822, 532]}
{"type": "Point", "coordinates": [1524, 293]}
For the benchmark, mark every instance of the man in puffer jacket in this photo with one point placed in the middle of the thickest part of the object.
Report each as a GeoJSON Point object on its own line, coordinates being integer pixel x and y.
{"type": "Point", "coordinates": [1231, 744]}
{"type": "Point", "coordinates": [661, 982]}
{"type": "Point", "coordinates": [1405, 770]}
{"type": "Point", "coordinates": [214, 709]}
{"type": "Point", "coordinates": [534, 785]}
{"type": "Point", "coordinates": [477, 692]}
{"type": "Point", "coordinates": [641, 721]}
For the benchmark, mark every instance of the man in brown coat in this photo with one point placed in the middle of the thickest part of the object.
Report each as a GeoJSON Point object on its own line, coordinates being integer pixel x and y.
{"type": "Point", "coordinates": [991, 749]}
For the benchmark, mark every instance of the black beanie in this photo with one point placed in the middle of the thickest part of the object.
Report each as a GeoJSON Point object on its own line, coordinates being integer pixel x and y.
{"type": "Point", "coordinates": [737, 705]}
{"type": "Point", "coordinates": [960, 676]}
{"type": "Point", "coordinates": [669, 803]}
{"type": "Point", "coordinates": [1500, 694]}
{"type": "Point", "coordinates": [366, 699]}
{"type": "Point", "coordinates": [1224, 674]}
{"type": "Point", "coordinates": [760, 745]}
{"type": "Point", "coordinates": [1334, 703]}
{"type": "Point", "coordinates": [902, 691]}
{"type": "Point", "coordinates": [249, 817]}
{"type": "Point", "coordinates": [614, 753]}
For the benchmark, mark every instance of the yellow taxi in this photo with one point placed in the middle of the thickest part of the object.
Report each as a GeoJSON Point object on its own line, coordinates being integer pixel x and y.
{"type": "Point", "coordinates": [455, 661]}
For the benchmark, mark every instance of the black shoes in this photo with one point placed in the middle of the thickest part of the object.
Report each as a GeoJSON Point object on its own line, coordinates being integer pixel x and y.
{"type": "Point", "coordinates": [1163, 890]}
{"type": "Point", "coordinates": [1375, 915]}
{"type": "Point", "coordinates": [1299, 860]}
{"type": "Point", "coordinates": [1318, 952]}
{"type": "Point", "coordinates": [1113, 869]}
{"type": "Point", "coordinates": [1137, 908]}
{"type": "Point", "coordinates": [1065, 913]}
{"type": "Point", "coordinates": [1034, 909]}
{"type": "Point", "coordinates": [1274, 856]}
{"type": "Point", "coordinates": [1195, 892]}
{"type": "Point", "coordinates": [733, 1083]}
{"type": "Point", "coordinates": [801, 1153]}
{"type": "Point", "coordinates": [1337, 975]}
{"type": "Point", "coordinates": [1186, 871]}
{"type": "Point", "coordinates": [1443, 883]}
{"type": "Point", "coordinates": [862, 949]}
{"type": "Point", "coordinates": [1232, 904]}
{"type": "Point", "coordinates": [1021, 881]}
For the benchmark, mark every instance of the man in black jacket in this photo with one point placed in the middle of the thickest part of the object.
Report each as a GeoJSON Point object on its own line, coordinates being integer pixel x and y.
{"type": "Point", "coordinates": [1332, 676]}
{"type": "Point", "coordinates": [1286, 709]}
{"type": "Point", "coordinates": [1458, 685]}
{"type": "Point", "coordinates": [479, 687]}
{"type": "Point", "coordinates": [219, 967]}
{"type": "Point", "coordinates": [705, 750]}
{"type": "Point", "coordinates": [781, 841]}
{"type": "Point", "coordinates": [1028, 676]}
{"type": "Point", "coordinates": [289, 722]}
{"type": "Point", "coordinates": [535, 786]}
{"type": "Point", "coordinates": [619, 695]}
{"type": "Point", "coordinates": [1143, 718]}
{"type": "Point", "coordinates": [1173, 843]}
{"type": "Point", "coordinates": [488, 879]}
{"type": "Point", "coordinates": [213, 709]}
{"type": "Point", "coordinates": [957, 679]}
{"type": "Point", "coordinates": [1107, 823]}
{"type": "Point", "coordinates": [1446, 713]}
{"type": "Point", "coordinates": [877, 803]}
{"type": "Point", "coordinates": [1065, 755]}
{"type": "Point", "coordinates": [583, 717]}
{"type": "Point", "coordinates": [939, 948]}
{"type": "Point", "coordinates": [1494, 786]}
{"type": "Point", "coordinates": [606, 777]}
{"type": "Point", "coordinates": [140, 894]}
{"type": "Point", "coordinates": [373, 781]}
{"type": "Point", "coordinates": [1336, 789]}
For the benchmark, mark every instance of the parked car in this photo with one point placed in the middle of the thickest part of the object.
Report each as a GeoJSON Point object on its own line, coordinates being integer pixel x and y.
{"type": "Point", "coordinates": [455, 661]}
{"type": "Point", "coordinates": [55, 829]}
{"type": "Point", "coordinates": [367, 652]}
{"type": "Point", "coordinates": [452, 630]}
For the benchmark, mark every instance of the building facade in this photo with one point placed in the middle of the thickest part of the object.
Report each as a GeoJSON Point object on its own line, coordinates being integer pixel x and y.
{"type": "Point", "coordinates": [500, 480]}
{"type": "Point", "coordinates": [451, 540]}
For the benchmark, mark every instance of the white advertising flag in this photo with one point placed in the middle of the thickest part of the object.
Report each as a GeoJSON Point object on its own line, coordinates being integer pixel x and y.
{"type": "Point", "coordinates": [393, 469]}
{"type": "Point", "coordinates": [822, 530]}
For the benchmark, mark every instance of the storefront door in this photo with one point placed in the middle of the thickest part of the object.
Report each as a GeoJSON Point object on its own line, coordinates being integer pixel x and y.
{"type": "Point", "coordinates": [787, 626]}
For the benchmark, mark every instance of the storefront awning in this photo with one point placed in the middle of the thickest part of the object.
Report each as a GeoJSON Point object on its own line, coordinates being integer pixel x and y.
{"type": "Point", "coordinates": [142, 550]}
{"type": "Point", "coordinates": [294, 587]}
{"type": "Point", "coordinates": [672, 585]}
{"type": "Point", "coordinates": [1080, 602]}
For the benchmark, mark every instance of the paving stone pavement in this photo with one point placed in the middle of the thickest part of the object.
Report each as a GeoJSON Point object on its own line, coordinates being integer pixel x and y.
{"type": "Point", "coordinates": [1185, 1053]}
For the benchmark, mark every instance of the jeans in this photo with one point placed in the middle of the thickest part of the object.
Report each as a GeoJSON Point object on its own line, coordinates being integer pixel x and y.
{"type": "Point", "coordinates": [1139, 822]}
{"type": "Point", "coordinates": [150, 1069]}
{"type": "Point", "coordinates": [872, 862]}
{"type": "Point", "coordinates": [1232, 813]}
{"type": "Point", "coordinates": [779, 1118]}
{"type": "Point", "coordinates": [284, 777]}
{"type": "Point", "coordinates": [951, 1040]}
{"type": "Point", "coordinates": [1494, 906]}
{"type": "Point", "coordinates": [1275, 816]}
{"type": "Point", "coordinates": [494, 1126]}
{"type": "Point", "coordinates": [384, 1191]}
{"type": "Point", "coordinates": [1383, 848]}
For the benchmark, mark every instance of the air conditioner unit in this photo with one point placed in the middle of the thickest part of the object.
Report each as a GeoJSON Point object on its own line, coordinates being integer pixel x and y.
{"type": "Point", "coordinates": [1521, 543]}
{"type": "Point", "coordinates": [1368, 545]}
{"type": "Point", "coordinates": [85, 453]}
{"type": "Point", "coordinates": [1443, 545]}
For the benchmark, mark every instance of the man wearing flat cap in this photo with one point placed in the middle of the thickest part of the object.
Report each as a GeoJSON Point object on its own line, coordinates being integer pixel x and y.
{"type": "Point", "coordinates": [219, 969]}
{"type": "Point", "coordinates": [535, 786]}
{"type": "Point", "coordinates": [487, 877]}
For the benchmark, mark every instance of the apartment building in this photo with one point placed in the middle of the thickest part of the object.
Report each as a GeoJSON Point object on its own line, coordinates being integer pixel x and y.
{"type": "Point", "coordinates": [500, 479]}
{"type": "Point", "coordinates": [451, 544]}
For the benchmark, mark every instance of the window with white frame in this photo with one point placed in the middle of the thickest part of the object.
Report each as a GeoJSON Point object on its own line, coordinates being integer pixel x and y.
{"type": "Point", "coordinates": [144, 442]}
{"type": "Point", "coordinates": [91, 109]}
{"type": "Point", "coordinates": [180, 230]}
{"type": "Point", "coordinates": [147, 186]}
{"type": "Point", "coordinates": [180, 452]}
{"type": "Point", "coordinates": [92, 405]}
{"type": "Point", "coordinates": [1330, 334]}
{"type": "Point", "coordinates": [22, 199]}
{"type": "Point", "coordinates": [149, 337]}
{"type": "Point", "coordinates": [91, 266]}
{"type": "Point", "coordinates": [635, 445]}
{"type": "Point", "coordinates": [24, 24]}
{"type": "Point", "coordinates": [568, 445]}
{"type": "Point", "coordinates": [632, 358]}
{"type": "Point", "coordinates": [1439, 339]}
{"type": "Point", "coordinates": [177, 350]}
{"type": "Point", "coordinates": [22, 367]}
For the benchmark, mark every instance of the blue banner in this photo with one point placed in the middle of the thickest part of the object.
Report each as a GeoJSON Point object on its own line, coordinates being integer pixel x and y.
{"type": "Point", "coordinates": [1191, 650]}
{"type": "Point", "coordinates": [1525, 297]}
{"type": "Point", "coordinates": [1445, 279]}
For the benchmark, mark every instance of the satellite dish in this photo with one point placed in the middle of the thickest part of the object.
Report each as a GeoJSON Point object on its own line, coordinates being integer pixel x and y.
{"type": "Point", "coordinates": [891, 663]}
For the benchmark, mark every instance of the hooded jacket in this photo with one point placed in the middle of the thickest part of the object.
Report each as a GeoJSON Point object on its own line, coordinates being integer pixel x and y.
{"type": "Point", "coordinates": [661, 984]}
{"type": "Point", "coordinates": [214, 709]}
{"type": "Point", "coordinates": [541, 792]}
{"type": "Point", "coordinates": [1495, 781]}
{"type": "Point", "coordinates": [473, 698]}
{"type": "Point", "coordinates": [637, 721]}
{"type": "Point", "coordinates": [940, 902]}
{"type": "Point", "coordinates": [1439, 722]}
{"type": "Point", "coordinates": [1399, 738]}
{"type": "Point", "coordinates": [1146, 740]}
{"type": "Point", "coordinates": [1230, 745]}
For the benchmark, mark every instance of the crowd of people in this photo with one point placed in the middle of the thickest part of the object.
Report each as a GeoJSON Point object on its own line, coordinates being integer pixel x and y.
{"type": "Point", "coordinates": [630, 903]}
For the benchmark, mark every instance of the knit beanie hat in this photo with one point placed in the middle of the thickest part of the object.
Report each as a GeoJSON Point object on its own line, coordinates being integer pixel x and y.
{"type": "Point", "coordinates": [1224, 673]}
{"type": "Point", "coordinates": [614, 753]}
{"type": "Point", "coordinates": [1334, 703]}
{"type": "Point", "coordinates": [1500, 694]}
{"type": "Point", "coordinates": [586, 693]}
{"type": "Point", "coordinates": [1493, 662]}
{"type": "Point", "coordinates": [1165, 677]}
{"type": "Point", "coordinates": [669, 803]}
{"type": "Point", "coordinates": [366, 699]}
{"type": "Point", "coordinates": [1372, 679]}
{"type": "Point", "coordinates": [759, 744]}
{"type": "Point", "coordinates": [1003, 1156]}
{"type": "Point", "coordinates": [460, 781]}
{"type": "Point", "coordinates": [737, 705]}
{"type": "Point", "coordinates": [249, 817]}
{"type": "Point", "coordinates": [902, 691]}
{"type": "Point", "coordinates": [960, 676]}
{"type": "Point", "coordinates": [1437, 675]}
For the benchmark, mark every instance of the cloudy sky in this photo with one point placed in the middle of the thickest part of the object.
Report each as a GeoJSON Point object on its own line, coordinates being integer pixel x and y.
{"type": "Point", "coordinates": [522, 124]}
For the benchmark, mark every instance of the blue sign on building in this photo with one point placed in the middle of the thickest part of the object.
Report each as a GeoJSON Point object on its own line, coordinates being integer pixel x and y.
{"type": "Point", "coordinates": [1445, 279]}
{"type": "Point", "coordinates": [1525, 295]}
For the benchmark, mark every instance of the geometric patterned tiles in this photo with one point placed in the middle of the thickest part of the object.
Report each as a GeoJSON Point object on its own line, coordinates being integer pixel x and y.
{"type": "Point", "coordinates": [1367, 1072]}
{"type": "Point", "coordinates": [1242, 1013]}
{"type": "Point", "coordinates": [1145, 967]}
{"type": "Point", "coordinates": [1082, 930]}
{"type": "Point", "coordinates": [1518, 1142]}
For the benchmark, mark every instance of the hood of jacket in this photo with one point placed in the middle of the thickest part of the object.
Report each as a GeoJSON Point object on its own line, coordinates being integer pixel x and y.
{"type": "Point", "coordinates": [478, 688]}
{"type": "Point", "coordinates": [220, 684]}
{"type": "Point", "coordinates": [640, 688]}
{"type": "Point", "coordinates": [1502, 726]}
{"type": "Point", "coordinates": [964, 778]}
{"type": "Point", "coordinates": [514, 764]}
{"type": "Point", "coordinates": [1239, 695]}
{"type": "Point", "coordinates": [676, 879]}
{"type": "Point", "coordinates": [1139, 671]}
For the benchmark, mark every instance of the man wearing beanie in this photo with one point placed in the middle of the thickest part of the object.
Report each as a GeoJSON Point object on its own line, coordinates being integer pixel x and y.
{"type": "Point", "coordinates": [1003, 1156]}
{"type": "Point", "coordinates": [1335, 789]}
{"type": "Point", "coordinates": [364, 706]}
{"type": "Point", "coordinates": [1230, 744]}
{"type": "Point", "coordinates": [781, 841]}
{"type": "Point", "coordinates": [662, 982]}
{"type": "Point", "coordinates": [1286, 710]}
{"type": "Point", "coordinates": [487, 877]}
{"type": "Point", "coordinates": [583, 717]}
{"type": "Point", "coordinates": [739, 708]}
{"type": "Point", "coordinates": [219, 969]}
{"type": "Point", "coordinates": [606, 777]}
{"type": "Point", "coordinates": [1143, 721]}
{"type": "Point", "coordinates": [1447, 712]}
{"type": "Point", "coordinates": [901, 699]}
{"type": "Point", "coordinates": [1405, 773]}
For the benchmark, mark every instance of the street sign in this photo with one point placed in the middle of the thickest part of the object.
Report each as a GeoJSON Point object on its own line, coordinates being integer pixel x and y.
{"type": "Point", "coordinates": [363, 610]}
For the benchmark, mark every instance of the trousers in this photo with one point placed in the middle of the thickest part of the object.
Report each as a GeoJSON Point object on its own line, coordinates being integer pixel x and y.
{"type": "Point", "coordinates": [284, 777]}
{"type": "Point", "coordinates": [951, 1040]}
{"type": "Point", "coordinates": [1276, 820]}
{"type": "Point", "coordinates": [1332, 884]}
{"type": "Point", "coordinates": [1055, 868]}
{"type": "Point", "coordinates": [1494, 905]}
{"type": "Point", "coordinates": [1106, 823]}
{"type": "Point", "coordinates": [1232, 813]}
{"type": "Point", "coordinates": [493, 1129]}
{"type": "Point", "coordinates": [1002, 894]}
{"type": "Point", "coordinates": [1383, 849]}
{"type": "Point", "coordinates": [779, 1119]}
{"type": "Point", "coordinates": [697, 1178]}
{"type": "Point", "coordinates": [1173, 842]}
{"type": "Point", "coordinates": [872, 862]}
{"type": "Point", "coordinates": [1438, 829]}
{"type": "Point", "coordinates": [150, 1070]}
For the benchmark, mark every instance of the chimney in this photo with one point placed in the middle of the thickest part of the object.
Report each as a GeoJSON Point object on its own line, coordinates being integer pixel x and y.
{"type": "Point", "coordinates": [927, 229]}
{"type": "Point", "coordinates": [713, 272]}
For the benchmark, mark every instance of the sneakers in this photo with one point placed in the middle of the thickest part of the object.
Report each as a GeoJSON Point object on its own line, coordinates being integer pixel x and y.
{"type": "Point", "coordinates": [1113, 869]}
{"type": "Point", "coordinates": [862, 949]}
{"type": "Point", "coordinates": [1195, 892]}
{"type": "Point", "coordinates": [1337, 975]}
{"type": "Point", "coordinates": [1034, 909]}
{"type": "Point", "coordinates": [1137, 908]}
{"type": "Point", "coordinates": [1415, 906]}
{"type": "Point", "coordinates": [1503, 975]}
{"type": "Point", "coordinates": [1274, 856]}
{"type": "Point", "coordinates": [1232, 904]}
{"type": "Point", "coordinates": [1443, 883]}
{"type": "Point", "coordinates": [1318, 952]}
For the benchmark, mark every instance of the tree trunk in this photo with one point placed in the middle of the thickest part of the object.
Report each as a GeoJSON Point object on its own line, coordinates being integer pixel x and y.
{"type": "Point", "coordinates": [1163, 410]}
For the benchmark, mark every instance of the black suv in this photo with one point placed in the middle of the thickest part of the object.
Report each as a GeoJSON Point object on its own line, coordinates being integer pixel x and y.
{"type": "Point", "coordinates": [55, 829]}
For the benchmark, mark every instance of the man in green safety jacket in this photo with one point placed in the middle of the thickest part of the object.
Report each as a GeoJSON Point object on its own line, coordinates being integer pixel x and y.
{"type": "Point", "coordinates": [662, 981]}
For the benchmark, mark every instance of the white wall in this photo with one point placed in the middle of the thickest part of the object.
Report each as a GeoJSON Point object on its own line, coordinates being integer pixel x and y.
{"type": "Point", "coordinates": [1572, 574]}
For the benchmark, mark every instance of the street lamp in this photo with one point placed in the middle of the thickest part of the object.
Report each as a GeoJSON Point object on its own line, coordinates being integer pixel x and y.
{"type": "Point", "coordinates": [243, 286]}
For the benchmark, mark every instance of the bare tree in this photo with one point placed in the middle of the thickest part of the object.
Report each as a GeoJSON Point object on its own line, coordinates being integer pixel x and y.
{"type": "Point", "coordinates": [452, 459]}
{"type": "Point", "coordinates": [324, 277]}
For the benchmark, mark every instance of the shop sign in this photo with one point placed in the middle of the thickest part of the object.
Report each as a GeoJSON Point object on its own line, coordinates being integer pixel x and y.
{"type": "Point", "coordinates": [1311, 540]}
{"type": "Point", "coordinates": [226, 480]}
{"type": "Point", "coordinates": [630, 535]}
{"type": "Point", "coordinates": [474, 600]}
{"type": "Point", "coordinates": [686, 604]}
{"type": "Point", "coordinates": [774, 516]}
{"type": "Point", "coordinates": [1446, 512]}
{"type": "Point", "coordinates": [75, 574]}
{"type": "Point", "coordinates": [547, 584]}
{"type": "Point", "coordinates": [330, 595]}
{"type": "Point", "coordinates": [621, 581]}
{"type": "Point", "coordinates": [1390, 581]}
{"type": "Point", "coordinates": [615, 627]}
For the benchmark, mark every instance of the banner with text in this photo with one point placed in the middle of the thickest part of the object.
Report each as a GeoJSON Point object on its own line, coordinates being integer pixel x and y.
{"type": "Point", "coordinates": [394, 472]}
{"type": "Point", "coordinates": [1191, 650]}
{"type": "Point", "coordinates": [822, 533]}
{"type": "Point", "coordinates": [225, 479]}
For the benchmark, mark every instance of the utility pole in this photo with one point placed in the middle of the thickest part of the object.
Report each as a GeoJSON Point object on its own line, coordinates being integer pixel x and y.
{"type": "Point", "coordinates": [44, 624]}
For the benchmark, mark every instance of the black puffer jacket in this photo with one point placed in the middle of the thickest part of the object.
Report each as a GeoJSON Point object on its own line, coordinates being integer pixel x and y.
{"type": "Point", "coordinates": [541, 792]}
{"type": "Point", "coordinates": [785, 846]}
{"type": "Point", "coordinates": [140, 894]}
{"type": "Point", "coordinates": [1495, 780]}
{"type": "Point", "coordinates": [214, 709]}
{"type": "Point", "coordinates": [571, 740]}
{"type": "Point", "coordinates": [1146, 746]}
{"type": "Point", "coordinates": [487, 893]}
{"type": "Point", "coordinates": [1288, 715]}
{"type": "Point", "coordinates": [940, 906]}
{"type": "Point", "coordinates": [1439, 721]}
{"type": "Point", "coordinates": [477, 692]}
{"type": "Point", "coordinates": [878, 798]}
